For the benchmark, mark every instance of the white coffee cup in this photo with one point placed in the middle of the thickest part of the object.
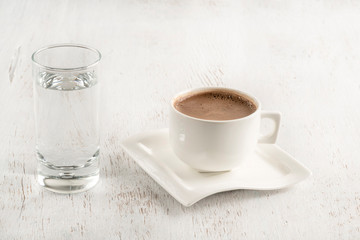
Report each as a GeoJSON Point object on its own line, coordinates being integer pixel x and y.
{"type": "Point", "coordinates": [218, 145]}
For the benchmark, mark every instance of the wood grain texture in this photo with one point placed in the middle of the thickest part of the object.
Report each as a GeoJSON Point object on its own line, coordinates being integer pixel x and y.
{"type": "Point", "coordinates": [300, 58]}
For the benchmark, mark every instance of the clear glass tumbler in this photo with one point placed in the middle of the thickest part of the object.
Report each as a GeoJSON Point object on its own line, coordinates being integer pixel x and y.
{"type": "Point", "coordinates": [66, 94]}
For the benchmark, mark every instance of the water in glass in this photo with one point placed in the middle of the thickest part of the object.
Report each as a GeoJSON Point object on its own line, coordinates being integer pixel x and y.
{"type": "Point", "coordinates": [67, 118]}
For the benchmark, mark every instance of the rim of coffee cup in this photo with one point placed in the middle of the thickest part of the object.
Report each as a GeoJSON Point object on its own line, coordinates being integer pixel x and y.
{"type": "Point", "coordinates": [254, 99]}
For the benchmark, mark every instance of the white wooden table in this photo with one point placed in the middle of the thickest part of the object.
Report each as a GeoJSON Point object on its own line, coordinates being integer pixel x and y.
{"type": "Point", "coordinates": [301, 58]}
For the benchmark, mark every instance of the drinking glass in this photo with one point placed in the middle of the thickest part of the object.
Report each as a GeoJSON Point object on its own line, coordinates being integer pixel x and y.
{"type": "Point", "coordinates": [66, 95]}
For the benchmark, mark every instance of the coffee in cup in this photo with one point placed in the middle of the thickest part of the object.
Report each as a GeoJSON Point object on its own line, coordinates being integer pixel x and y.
{"type": "Point", "coordinates": [215, 105]}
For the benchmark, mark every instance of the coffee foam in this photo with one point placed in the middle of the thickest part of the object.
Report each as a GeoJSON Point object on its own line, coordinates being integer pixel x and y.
{"type": "Point", "coordinates": [215, 105]}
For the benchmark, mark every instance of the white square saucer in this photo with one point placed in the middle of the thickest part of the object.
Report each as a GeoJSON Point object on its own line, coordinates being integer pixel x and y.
{"type": "Point", "coordinates": [269, 168]}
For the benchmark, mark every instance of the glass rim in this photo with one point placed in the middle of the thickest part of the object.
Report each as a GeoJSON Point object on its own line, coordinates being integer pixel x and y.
{"type": "Point", "coordinates": [66, 45]}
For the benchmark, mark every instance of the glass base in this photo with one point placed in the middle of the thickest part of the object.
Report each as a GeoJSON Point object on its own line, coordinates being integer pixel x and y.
{"type": "Point", "coordinates": [68, 180]}
{"type": "Point", "coordinates": [67, 186]}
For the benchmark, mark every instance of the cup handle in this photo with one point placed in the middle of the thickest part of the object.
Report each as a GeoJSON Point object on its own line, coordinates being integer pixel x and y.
{"type": "Point", "coordinates": [271, 137]}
